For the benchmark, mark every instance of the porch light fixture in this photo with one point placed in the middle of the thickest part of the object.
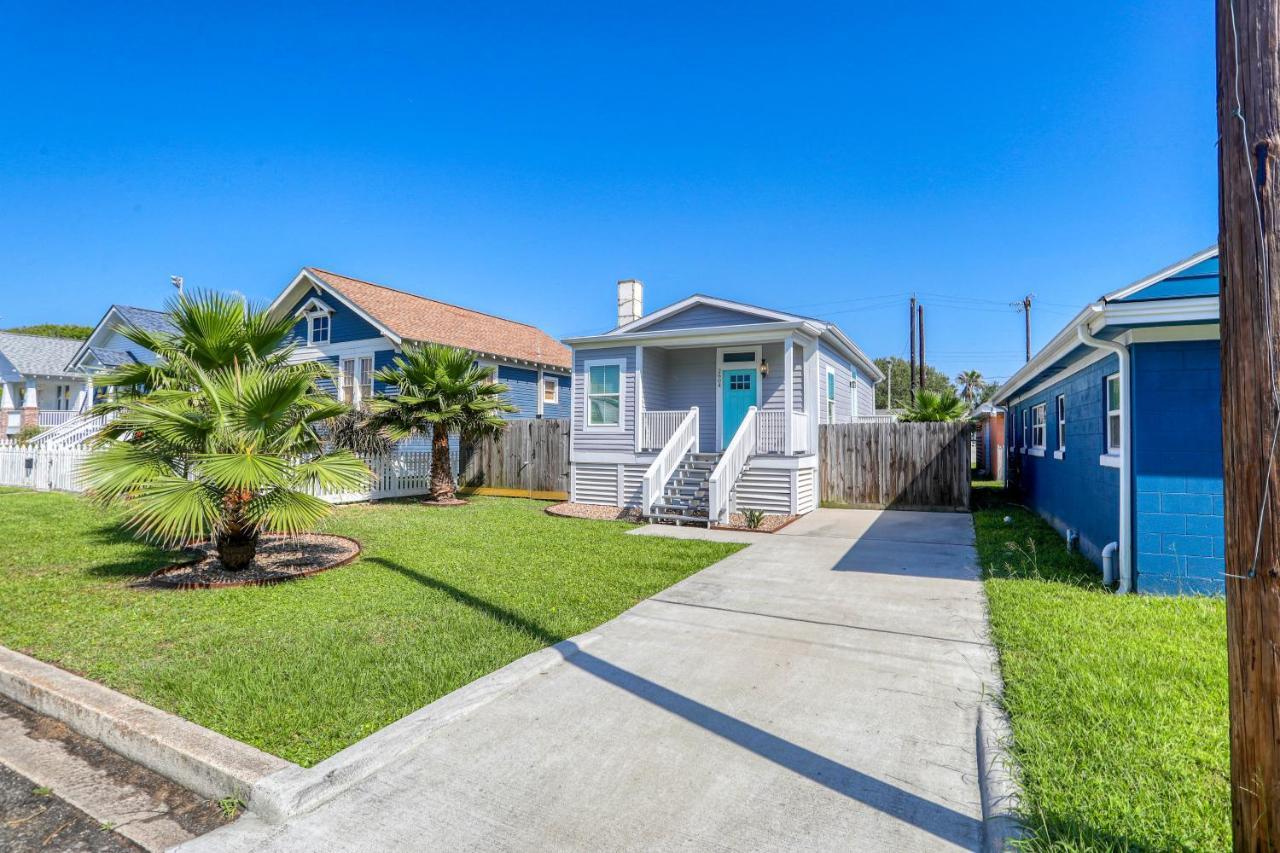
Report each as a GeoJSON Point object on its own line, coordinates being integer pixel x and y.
{"type": "Point", "coordinates": [764, 367]}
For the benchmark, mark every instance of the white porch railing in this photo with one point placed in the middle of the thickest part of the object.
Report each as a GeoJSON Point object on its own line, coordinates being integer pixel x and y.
{"type": "Point", "coordinates": [800, 433]}
{"type": "Point", "coordinates": [656, 428]}
{"type": "Point", "coordinates": [54, 417]}
{"type": "Point", "coordinates": [683, 440]}
{"type": "Point", "coordinates": [735, 458]}
{"type": "Point", "coordinates": [74, 432]}
{"type": "Point", "coordinates": [771, 431]}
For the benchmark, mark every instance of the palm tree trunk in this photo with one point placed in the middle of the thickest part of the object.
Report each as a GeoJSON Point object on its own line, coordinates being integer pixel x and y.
{"type": "Point", "coordinates": [442, 488]}
{"type": "Point", "coordinates": [237, 544]}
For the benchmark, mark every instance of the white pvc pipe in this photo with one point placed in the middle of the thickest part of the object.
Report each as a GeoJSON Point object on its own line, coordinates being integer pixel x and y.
{"type": "Point", "coordinates": [1108, 564]}
{"type": "Point", "coordinates": [1126, 453]}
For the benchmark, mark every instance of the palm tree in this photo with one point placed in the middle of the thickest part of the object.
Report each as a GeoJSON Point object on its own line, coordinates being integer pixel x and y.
{"type": "Point", "coordinates": [441, 390]}
{"type": "Point", "coordinates": [970, 382]}
{"type": "Point", "coordinates": [231, 456]}
{"type": "Point", "coordinates": [934, 406]}
{"type": "Point", "coordinates": [213, 331]}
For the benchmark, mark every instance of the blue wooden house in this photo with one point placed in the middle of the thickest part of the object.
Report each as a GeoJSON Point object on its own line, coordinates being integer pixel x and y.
{"type": "Point", "coordinates": [357, 327]}
{"type": "Point", "coordinates": [1114, 431]}
{"type": "Point", "coordinates": [709, 406]}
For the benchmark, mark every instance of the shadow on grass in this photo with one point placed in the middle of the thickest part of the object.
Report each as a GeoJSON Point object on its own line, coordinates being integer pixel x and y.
{"type": "Point", "coordinates": [934, 818]}
{"type": "Point", "coordinates": [493, 611]}
{"type": "Point", "coordinates": [143, 560]}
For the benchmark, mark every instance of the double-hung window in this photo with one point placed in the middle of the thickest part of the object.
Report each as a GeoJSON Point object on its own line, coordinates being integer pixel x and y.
{"type": "Point", "coordinates": [550, 390]}
{"type": "Point", "coordinates": [356, 377]}
{"type": "Point", "coordinates": [319, 324]}
{"type": "Point", "coordinates": [1115, 431]}
{"type": "Point", "coordinates": [604, 394]}
{"type": "Point", "coordinates": [1060, 406]}
{"type": "Point", "coordinates": [1037, 427]}
{"type": "Point", "coordinates": [831, 396]}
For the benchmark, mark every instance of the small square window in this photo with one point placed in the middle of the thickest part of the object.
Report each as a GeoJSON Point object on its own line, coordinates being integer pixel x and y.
{"type": "Point", "coordinates": [550, 390]}
{"type": "Point", "coordinates": [320, 328]}
{"type": "Point", "coordinates": [740, 382]}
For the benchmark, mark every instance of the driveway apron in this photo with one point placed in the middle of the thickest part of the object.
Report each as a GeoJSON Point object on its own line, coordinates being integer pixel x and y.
{"type": "Point", "coordinates": [818, 690]}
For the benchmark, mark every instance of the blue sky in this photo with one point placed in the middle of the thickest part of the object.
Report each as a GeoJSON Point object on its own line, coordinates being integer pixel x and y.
{"type": "Point", "coordinates": [520, 160]}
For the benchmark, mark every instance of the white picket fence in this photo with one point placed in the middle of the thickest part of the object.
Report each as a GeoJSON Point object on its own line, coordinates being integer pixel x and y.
{"type": "Point", "coordinates": [43, 470]}
{"type": "Point", "coordinates": [400, 474]}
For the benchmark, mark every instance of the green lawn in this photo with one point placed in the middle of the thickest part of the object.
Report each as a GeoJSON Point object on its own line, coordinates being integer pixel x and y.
{"type": "Point", "coordinates": [1118, 703]}
{"type": "Point", "coordinates": [439, 598]}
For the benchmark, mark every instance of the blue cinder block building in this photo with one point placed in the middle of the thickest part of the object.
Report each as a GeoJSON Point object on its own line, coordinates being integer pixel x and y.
{"type": "Point", "coordinates": [1114, 431]}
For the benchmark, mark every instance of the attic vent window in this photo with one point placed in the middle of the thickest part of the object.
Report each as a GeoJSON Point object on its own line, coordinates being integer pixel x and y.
{"type": "Point", "coordinates": [319, 329]}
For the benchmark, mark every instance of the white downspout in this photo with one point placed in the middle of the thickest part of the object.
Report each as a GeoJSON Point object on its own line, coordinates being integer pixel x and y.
{"type": "Point", "coordinates": [1126, 453]}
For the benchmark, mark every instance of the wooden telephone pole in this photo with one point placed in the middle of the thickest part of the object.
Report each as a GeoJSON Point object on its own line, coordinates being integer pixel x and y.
{"type": "Point", "coordinates": [1024, 305]}
{"type": "Point", "coordinates": [911, 371]}
{"type": "Point", "coordinates": [1248, 42]}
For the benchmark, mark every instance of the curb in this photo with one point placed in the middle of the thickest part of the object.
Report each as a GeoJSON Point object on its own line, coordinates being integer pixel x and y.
{"type": "Point", "coordinates": [997, 780]}
{"type": "Point", "coordinates": [210, 764]}
{"type": "Point", "coordinates": [296, 790]}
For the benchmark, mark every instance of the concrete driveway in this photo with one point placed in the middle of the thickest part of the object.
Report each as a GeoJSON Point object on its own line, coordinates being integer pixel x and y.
{"type": "Point", "coordinates": [817, 690]}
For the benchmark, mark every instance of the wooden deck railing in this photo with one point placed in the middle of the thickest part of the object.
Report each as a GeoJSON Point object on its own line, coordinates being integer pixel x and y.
{"type": "Point", "coordinates": [656, 428]}
{"type": "Point", "coordinates": [732, 462]}
{"type": "Point", "coordinates": [683, 440]}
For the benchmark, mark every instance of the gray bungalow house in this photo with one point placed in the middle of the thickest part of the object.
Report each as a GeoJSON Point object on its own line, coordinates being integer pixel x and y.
{"type": "Point", "coordinates": [709, 406]}
{"type": "Point", "coordinates": [36, 388]}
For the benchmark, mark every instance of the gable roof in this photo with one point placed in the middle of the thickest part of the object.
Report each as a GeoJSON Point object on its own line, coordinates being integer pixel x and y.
{"type": "Point", "coordinates": [1192, 276]}
{"type": "Point", "coordinates": [769, 318]}
{"type": "Point", "coordinates": [33, 355]}
{"type": "Point", "coordinates": [147, 319]}
{"type": "Point", "coordinates": [408, 316]}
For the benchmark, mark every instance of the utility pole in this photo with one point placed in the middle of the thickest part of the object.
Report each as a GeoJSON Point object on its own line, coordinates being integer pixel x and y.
{"type": "Point", "coordinates": [911, 372]}
{"type": "Point", "coordinates": [1249, 242]}
{"type": "Point", "coordinates": [923, 373]}
{"type": "Point", "coordinates": [1025, 307]}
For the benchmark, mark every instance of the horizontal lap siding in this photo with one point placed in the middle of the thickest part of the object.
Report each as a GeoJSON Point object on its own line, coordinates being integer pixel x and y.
{"type": "Point", "coordinates": [633, 484]}
{"type": "Point", "coordinates": [560, 408]}
{"type": "Point", "coordinates": [523, 390]}
{"type": "Point", "coordinates": [773, 388]}
{"type": "Point", "coordinates": [344, 325]}
{"type": "Point", "coordinates": [828, 358]}
{"type": "Point", "coordinates": [604, 441]}
{"type": "Point", "coordinates": [119, 342]}
{"type": "Point", "coordinates": [700, 316]}
{"type": "Point", "coordinates": [691, 381]}
{"type": "Point", "coordinates": [866, 395]}
{"type": "Point", "coordinates": [655, 380]}
{"type": "Point", "coordinates": [1177, 464]}
{"type": "Point", "coordinates": [1075, 492]}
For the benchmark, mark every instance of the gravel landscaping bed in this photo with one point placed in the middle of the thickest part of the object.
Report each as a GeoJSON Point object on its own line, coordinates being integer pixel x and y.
{"type": "Point", "coordinates": [279, 558]}
{"type": "Point", "coordinates": [594, 512]}
{"type": "Point", "coordinates": [770, 523]}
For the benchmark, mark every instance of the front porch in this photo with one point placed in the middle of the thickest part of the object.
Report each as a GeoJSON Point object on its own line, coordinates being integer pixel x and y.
{"type": "Point", "coordinates": [40, 403]}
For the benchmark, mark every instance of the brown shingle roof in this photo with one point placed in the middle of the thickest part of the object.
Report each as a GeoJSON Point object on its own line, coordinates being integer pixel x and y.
{"type": "Point", "coordinates": [417, 318]}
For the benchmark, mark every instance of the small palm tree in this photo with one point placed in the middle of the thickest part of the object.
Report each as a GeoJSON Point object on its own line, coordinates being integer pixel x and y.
{"type": "Point", "coordinates": [233, 456]}
{"type": "Point", "coordinates": [440, 390]}
{"type": "Point", "coordinates": [970, 382]}
{"type": "Point", "coordinates": [932, 406]}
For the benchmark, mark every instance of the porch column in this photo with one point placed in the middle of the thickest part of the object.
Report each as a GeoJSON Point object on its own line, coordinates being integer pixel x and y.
{"type": "Point", "coordinates": [811, 392]}
{"type": "Point", "coordinates": [639, 402]}
{"type": "Point", "coordinates": [788, 391]}
{"type": "Point", "coordinates": [30, 405]}
{"type": "Point", "coordinates": [84, 395]}
{"type": "Point", "coordinates": [8, 404]}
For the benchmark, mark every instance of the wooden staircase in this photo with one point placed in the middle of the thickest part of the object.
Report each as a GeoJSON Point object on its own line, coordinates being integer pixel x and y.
{"type": "Point", "coordinates": [684, 497]}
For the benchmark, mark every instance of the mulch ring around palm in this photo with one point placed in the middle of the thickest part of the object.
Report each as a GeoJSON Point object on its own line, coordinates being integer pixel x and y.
{"type": "Point", "coordinates": [279, 559]}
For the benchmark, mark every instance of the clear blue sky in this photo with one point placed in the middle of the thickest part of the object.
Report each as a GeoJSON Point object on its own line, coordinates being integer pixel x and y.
{"type": "Point", "coordinates": [521, 160]}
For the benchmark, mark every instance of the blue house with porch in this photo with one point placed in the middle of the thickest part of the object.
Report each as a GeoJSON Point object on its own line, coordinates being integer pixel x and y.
{"type": "Point", "coordinates": [1114, 431]}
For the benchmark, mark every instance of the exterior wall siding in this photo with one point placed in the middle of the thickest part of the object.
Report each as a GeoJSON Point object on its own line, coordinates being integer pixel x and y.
{"type": "Point", "coordinates": [700, 316]}
{"type": "Point", "coordinates": [117, 341]}
{"type": "Point", "coordinates": [559, 409]}
{"type": "Point", "coordinates": [797, 378]}
{"type": "Point", "coordinates": [773, 388]}
{"type": "Point", "coordinates": [655, 379]}
{"type": "Point", "coordinates": [866, 395]}
{"type": "Point", "coordinates": [623, 441]}
{"type": "Point", "coordinates": [829, 358]}
{"type": "Point", "coordinates": [524, 392]}
{"type": "Point", "coordinates": [344, 325]}
{"type": "Point", "coordinates": [1075, 492]}
{"type": "Point", "coordinates": [768, 489]}
{"type": "Point", "coordinates": [1178, 467]}
{"type": "Point", "coordinates": [691, 381]}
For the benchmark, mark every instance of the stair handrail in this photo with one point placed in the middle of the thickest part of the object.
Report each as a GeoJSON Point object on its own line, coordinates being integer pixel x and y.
{"type": "Point", "coordinates": [683, 441]}
{"type": "Point", "coordinates": [74, 432]}
{"type": "Point", "coordinates": [735, 458]}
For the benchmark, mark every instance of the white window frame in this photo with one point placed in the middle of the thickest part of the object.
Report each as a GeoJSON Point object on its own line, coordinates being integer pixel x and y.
{"type": "Point", "coordinates": [358, 377]}
{"type": "Point", "coordinates": [1117, 413]}
{"type": "Point", "coordinates": [1026, 429]}
{"type": "Point", "coordinates": [311, 329]}
{"type": "Point", "coordinates": [554, 387]}
{"type": "Point", "coordinates": [1060, 410]}
{"type": "Point", "coordinates": [1039, 428]}
{"type": "Point", "coordinates": [829, 394]}
{"type": "Point", "coordinates": [621, 364]}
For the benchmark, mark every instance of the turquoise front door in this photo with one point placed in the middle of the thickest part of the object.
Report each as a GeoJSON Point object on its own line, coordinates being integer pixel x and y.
{"type": "Point", "coordinates": [738, 393]}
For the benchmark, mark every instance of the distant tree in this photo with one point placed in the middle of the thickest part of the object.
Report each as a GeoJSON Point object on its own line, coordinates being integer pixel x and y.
{"type": "Point", "coordinates": [899, 369]}
{"type": "Point", "coordinates": [986, 390]}
{"type": "Point", "coordinates": [970, 382]}
{"type": "Point", "coordinates": [933, 406]}
{"type": "Point", "coordinates": [73, 331]}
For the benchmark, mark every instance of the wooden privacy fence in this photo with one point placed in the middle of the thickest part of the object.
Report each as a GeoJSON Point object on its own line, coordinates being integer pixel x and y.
{"type": "Point", "coordinates": [894, 465]}
{"type": "Point", "coordinates": [529, 459]}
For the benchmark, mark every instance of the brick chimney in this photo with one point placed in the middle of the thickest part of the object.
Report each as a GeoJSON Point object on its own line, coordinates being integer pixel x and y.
{"type": "Point", "coordinates": [630, 301]}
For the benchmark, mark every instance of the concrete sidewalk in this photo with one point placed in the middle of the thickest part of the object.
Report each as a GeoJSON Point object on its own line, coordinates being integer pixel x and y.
{"type": "Point", "coordinates": [817, 690]}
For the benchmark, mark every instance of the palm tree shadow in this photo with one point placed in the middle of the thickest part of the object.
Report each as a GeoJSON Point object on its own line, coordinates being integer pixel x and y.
{"type": "Point", "coordinates": [144, 560]}
{"type": "Point", "coordinates": [935, 818]}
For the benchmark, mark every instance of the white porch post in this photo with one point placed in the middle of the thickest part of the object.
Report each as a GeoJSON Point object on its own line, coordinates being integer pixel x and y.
{"type": "Point", "coordinates": [788, 392]}
{"type": "Point", "coordinates": [31, 404]}
{"type": "Point", "coordinates": [7, 400]}
{"type": "Point", "coordinates": [84, 395]}
{"type": "Point", "coordinates": [811, 392]}
{"type": "Point", "coordinates": [639, 421]}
